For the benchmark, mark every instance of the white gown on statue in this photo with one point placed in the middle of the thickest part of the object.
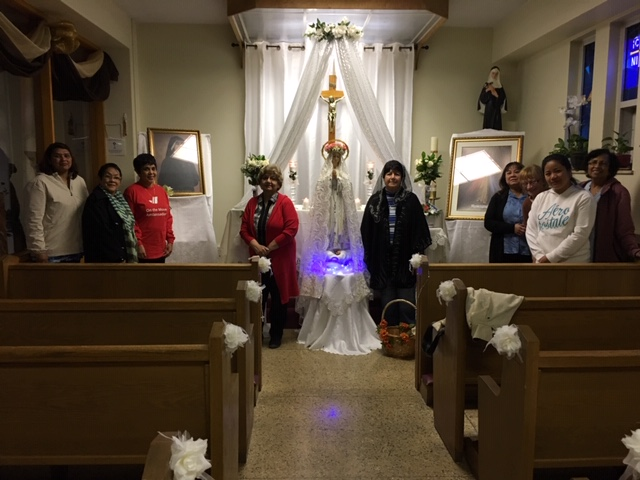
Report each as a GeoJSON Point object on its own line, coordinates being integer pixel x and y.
{"type": "Point", "coordinates": [334, 296]}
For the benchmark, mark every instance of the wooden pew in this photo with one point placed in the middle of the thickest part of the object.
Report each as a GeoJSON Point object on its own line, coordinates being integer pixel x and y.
{"type": "Point", "coordinates": [99, 280]}
{"type": "Point", "coordinates": [142, 321]}
{"type": "Point", "coordinates": [529, 280]}
{"type": "Point", "coordinates": [570, 323]}
{"type": "Point", "coordinates": [101, 404]}
{"type": "Point", "coordinates": [556, 409]}
{"type": "Point", "coordinates": [124, 280]}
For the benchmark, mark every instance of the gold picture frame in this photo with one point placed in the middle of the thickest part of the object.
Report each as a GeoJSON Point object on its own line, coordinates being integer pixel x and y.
{"type": "Point", "coordinates": [179, 157]}
{"type": "Point", "coordinates": [470, 192]}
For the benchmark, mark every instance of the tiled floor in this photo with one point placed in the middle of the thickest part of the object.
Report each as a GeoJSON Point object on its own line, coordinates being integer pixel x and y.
{"type": "Point", "coordinates": [325, 416]}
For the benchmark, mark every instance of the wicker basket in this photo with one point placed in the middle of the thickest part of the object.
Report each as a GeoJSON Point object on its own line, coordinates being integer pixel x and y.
{"type": "Point", "coordinates": [398, 348]}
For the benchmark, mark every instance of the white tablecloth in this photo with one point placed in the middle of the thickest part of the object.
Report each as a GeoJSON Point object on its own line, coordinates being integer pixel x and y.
{"type": "Point", "coordinates": [234, 250]}
{"type": "Point", "coordinates": [468, 240]}
{"type": "Point", "coordinates": [193, 228]}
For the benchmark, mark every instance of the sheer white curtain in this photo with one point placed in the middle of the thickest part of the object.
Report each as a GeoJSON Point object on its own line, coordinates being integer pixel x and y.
{"type": "Point", "coordinates": [285, 118]}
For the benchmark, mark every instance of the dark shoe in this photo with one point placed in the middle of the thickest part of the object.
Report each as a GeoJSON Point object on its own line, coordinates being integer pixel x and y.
{"type": "Point", "coordinates": [275, 343]}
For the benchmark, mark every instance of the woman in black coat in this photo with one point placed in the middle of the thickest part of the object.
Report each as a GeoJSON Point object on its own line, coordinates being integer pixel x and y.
{"type": "Point", "coordinates": [504, 219]}
{"type": "Point", "coordinates": [107, 221]}
{"type": "Point", "coordinates": [393, 229]}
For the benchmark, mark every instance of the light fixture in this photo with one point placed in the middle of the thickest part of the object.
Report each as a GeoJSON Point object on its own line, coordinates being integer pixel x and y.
{"type": "Point", "coordinates": [474, 166]}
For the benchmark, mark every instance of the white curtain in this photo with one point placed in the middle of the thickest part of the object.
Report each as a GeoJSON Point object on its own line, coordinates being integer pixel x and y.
{"type": "Point", "coordinates": [285, 118]}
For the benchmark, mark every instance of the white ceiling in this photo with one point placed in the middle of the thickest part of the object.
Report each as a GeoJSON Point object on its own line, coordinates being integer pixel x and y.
{"type": "Point", "coordinates": [462, 13]}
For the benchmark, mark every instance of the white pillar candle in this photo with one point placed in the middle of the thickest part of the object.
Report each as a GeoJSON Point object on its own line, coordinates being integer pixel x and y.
{"type": "Point", "coordinates": [292, 165]}
{"type": "Point", "coordinates": [305, 203]}
{"type": "Point", "coordinates": [434, 144]}
{"type": "Point", "coordinates": [358, 203]}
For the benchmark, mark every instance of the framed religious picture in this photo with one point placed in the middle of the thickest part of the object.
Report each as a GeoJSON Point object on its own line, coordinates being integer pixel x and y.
{"type": "Point", "coordinates": [476, 166]}
{"type": "Point", "coordinates": [179, 157]}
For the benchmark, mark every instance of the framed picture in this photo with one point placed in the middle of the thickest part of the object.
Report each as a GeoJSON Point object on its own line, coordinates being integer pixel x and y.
{"type": "Point", "coordinates": [179, 157]}
{"type": "Point", "coordinates": [476, 166]}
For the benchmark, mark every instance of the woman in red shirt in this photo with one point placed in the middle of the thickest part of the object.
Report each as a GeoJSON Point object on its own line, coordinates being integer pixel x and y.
{"type": "Point", "coordinates": [149, 203]}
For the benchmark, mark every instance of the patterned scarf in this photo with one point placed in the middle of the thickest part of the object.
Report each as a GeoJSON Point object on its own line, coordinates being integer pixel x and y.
{"type": "Point", "coordinates": [121, 207]}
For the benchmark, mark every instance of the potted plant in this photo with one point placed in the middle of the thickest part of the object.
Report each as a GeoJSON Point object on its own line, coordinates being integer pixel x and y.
{"type": "Point", "coordinates": [573, 145]}
{"type": "Point", "coordinates": [620, 145]}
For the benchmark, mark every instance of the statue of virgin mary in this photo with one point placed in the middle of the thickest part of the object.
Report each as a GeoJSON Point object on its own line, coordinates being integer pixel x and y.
{"type": "Point", "coordinates": [333, 291]}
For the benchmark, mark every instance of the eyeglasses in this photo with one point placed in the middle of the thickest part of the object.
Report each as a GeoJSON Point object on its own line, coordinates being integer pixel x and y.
{"type": "Point", "coordinates": [531, 181]}
{"type": "Point", "coordinates": [112, 177]}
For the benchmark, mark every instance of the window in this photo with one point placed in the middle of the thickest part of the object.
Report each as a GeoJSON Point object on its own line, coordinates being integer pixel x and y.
{"type": "Point", "coordinates": [588, 55]}
{"type": "Point", "coordinates": [631, 57]}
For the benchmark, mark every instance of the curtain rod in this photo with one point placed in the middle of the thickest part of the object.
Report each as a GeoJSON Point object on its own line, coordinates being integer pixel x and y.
{"type": "Point", "coordinates": [301, 47]}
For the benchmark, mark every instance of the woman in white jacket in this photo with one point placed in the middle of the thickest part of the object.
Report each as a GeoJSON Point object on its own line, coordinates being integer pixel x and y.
{"type": "Point", "coordinates": [561, 218]}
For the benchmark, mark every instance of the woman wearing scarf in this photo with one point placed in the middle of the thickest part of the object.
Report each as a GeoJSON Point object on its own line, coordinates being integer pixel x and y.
{"type": "Point", "coordinates": [107, 221]}
{"type": "Point", "coordinates": [393, 229]}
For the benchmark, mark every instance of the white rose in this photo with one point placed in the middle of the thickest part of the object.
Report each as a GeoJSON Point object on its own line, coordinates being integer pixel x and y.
{"type": "Point", "coordinates": [340, 31]}
{"type": "Point", "coordinates": [309, 31]}
{"type": "Point", "coordinates": [506, 340]}
{"type": "Point", "coordinates": [446, 291]}
{"type": "Point", "coordinates": [632, 442]}
{"type": "Point", "coordinates": [429, 163]}
{"type": "Point", "coordinates": [187, 457]}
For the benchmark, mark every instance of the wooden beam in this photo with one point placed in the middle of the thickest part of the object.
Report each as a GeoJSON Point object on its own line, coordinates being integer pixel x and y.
{"type": "Point", "coordinates": [439, 7]}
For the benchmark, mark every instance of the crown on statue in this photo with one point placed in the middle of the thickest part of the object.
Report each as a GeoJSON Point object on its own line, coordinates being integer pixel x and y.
{"type": "Point", "coordinates": [335, 146]}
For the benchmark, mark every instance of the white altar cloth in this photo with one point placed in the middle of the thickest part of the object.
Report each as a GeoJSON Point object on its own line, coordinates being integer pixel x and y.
{"type": "Point", "coordinates": [335, 324]}
{"type": "Point", "coordinates": [195, 238]}
{"type": "Point", "coordinates": [469, 241]}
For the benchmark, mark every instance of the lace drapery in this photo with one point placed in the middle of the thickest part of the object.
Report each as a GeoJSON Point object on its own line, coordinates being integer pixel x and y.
{"type": "Point", "coordinates": [380, 81]}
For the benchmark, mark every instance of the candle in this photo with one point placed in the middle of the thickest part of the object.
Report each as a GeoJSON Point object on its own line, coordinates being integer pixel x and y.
{"type": "Point", "coordinates": [434, 144]}
{"type": "Point", "coordinates": [292, 165]}
{"type": "Point", "coordinates": [305, 204]}
{"type": "Point", "coordinates": [358, 203]}
{"type": "Point", "coordinates": [369, 165]}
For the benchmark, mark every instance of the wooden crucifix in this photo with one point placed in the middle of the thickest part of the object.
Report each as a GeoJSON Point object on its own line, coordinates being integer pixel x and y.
{"type": "Point", "coordinates": [332, 97]}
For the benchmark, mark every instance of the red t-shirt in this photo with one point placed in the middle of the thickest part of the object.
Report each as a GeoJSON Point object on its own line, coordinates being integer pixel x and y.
{"type": "Point", "coordinates": [154, 222]}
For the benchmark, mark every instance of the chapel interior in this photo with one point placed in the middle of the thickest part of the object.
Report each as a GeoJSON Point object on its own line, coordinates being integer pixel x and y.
{"type": "Point", "coordinates": [197, 66]}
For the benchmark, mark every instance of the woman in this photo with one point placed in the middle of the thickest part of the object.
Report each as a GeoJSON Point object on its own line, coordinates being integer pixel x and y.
{"type": "Point", "coordinates": [181, 175]}
{"type": "Point", "coordinates": [269, 226]}
{"type": "Point", "coordinates": [492, 102]}
{"type": "Point", "coordinates": [504, 219]}
{"type": "Point", "coordinates": [107, 221]}
{"type": "Point", "coordinates": [561, 218]}
{"type": "Point", "coordinates": [532, 180]}
{"type": "Point", "coordinates": [393, 229]}
{"type": "Point", "coordinates": [613, 237]}
{"type": "Point", "coordinates": [152, 212]}
{"type": "Point", "coordinates": [53, 213]}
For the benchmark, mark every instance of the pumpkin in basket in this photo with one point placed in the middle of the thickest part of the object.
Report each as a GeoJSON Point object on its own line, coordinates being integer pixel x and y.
{"type": "Point", "coordinates": [397, 341]}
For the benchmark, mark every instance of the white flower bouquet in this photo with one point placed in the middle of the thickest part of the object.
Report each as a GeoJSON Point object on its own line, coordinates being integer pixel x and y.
{"type": "Point", "coordinates": [332, 31]}
{"type": "Point", "coordinates": [428, 168]}
{"type": "Point", "coordinates": [252, 166]}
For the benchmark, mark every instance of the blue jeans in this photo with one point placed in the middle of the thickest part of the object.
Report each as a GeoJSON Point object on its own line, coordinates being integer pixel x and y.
{"type": "Point", "coordinates": [399, 311]}
{"type": "Point", "coordinates": [72, 258]}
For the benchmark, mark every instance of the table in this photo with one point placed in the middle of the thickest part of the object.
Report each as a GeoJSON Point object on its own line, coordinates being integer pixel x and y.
{"type": "Point", "coordinates": [234, 250]}
{"type": "Point", "coordinates": [469, 241]}
{"type": "Point", "coordinates": [193, 228]}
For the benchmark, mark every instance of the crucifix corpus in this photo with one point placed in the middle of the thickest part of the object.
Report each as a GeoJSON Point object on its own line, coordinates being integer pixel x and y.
{"type": "Point", "coordinates": [332, 97]}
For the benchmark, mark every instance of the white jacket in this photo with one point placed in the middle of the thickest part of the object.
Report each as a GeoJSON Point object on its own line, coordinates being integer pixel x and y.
{"type": "Point", "coordinates": [52, 219]}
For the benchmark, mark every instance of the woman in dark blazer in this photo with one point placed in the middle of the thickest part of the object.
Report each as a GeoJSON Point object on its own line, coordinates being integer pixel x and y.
{"type": "Point", "coordinates": [107, 221]}
{"type": "Point", "coordinates": [504, 219]}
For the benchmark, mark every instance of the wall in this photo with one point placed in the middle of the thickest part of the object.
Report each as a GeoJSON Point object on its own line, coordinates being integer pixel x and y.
{"type": "Point", "coordinates": [190, 77]}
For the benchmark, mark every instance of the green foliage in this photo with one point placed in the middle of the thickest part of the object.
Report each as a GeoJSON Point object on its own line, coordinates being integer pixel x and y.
{"type": "Point", "coordinates": [618, 143]}
{"type": "Point", "coordinates": [428, 168]}
{"type": "Point", "coordinates": [574, 144]}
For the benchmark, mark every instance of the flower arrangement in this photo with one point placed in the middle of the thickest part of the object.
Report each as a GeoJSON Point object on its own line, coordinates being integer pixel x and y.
{"type": "Point", "coordinates": [332, 31]}
{"type": "Point", "coordinates": [234, 337]}
{"type": "Point", "coordinates": [506, 341]}
{"type": "Point", "coordinates": [168, 189]}
{"type": "Point", "coordinates": [632, 460]}
{"type": "Point", "coordinates": [187, 458]}
{"type": "Point", "coordinates": [446, 291]}
{"type": "Point", "coordinates": [293, 173]}
{"type": "Point", "coordinates": [428, 168]}
{"type": "Point", "coordinates": [405, 333]}
{"type": "Point", "coordinates": [573, 141]}
{"type": "Point", "coordinates": [431, 209]}
{"type": "Point", "coordinates": [253, 291]}
{"type": "Point", "coordinates": [335, 146]}
{"type": "Point", "coordinates": [252, 166]}
{"type": "Point", "coordinates": [370, 173]}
